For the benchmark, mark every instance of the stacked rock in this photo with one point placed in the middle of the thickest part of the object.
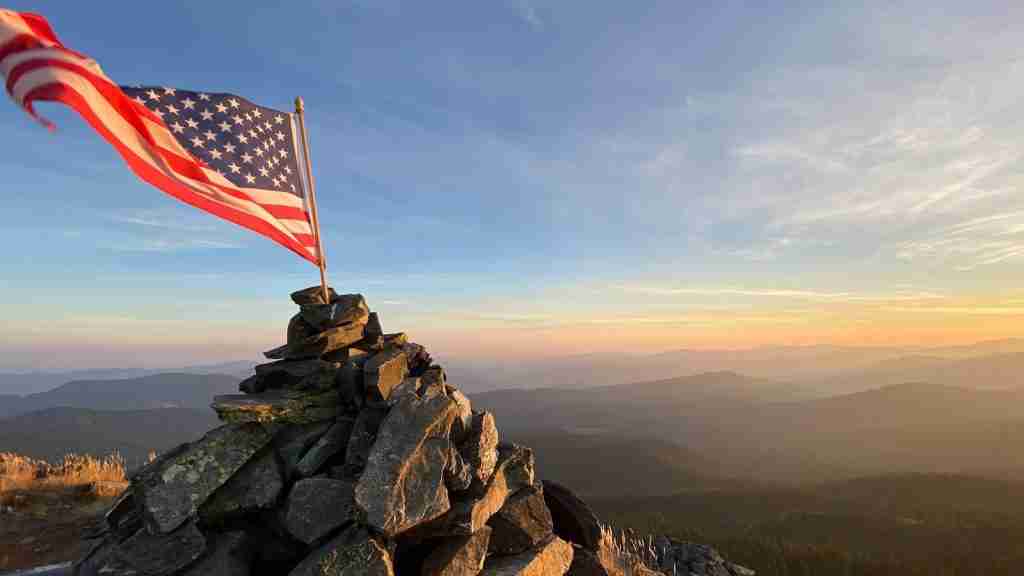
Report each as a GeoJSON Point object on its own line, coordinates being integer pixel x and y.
{"type": "Point", "coordinates": [349, 453]}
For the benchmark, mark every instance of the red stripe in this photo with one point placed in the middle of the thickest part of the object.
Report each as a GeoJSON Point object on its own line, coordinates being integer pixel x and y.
{"type": "Point", "coordinates": [126, 107]}
{"type": "Point", "coordinates": [285, 212]}
{"type": "Point", "coordinates": [67, 95]}
{"type": "Point", "coordinates": [307, 240]}
{"type": "Point", "coordinates": [20, 43]}
{"type": "Point", "coordinates": [39, 26]}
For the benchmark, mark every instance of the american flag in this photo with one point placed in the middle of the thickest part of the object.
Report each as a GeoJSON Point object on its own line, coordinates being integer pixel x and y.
{"type": "Point", "coordinates": [218, 152]}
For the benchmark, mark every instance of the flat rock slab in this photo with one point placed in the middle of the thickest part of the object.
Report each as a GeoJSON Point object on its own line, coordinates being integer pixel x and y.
{"type": "Point", "coordinates": [255, 486]}
{"type": "Point", "coordinates": [551, 558]}
{"type": "Point", "coordinates": [318, 506]}
{"type": "Point", "coordinates": [160, 554]}
{"type": "Point", "coordinates": [308, 374]}
{"type": "Point", "coordinates": [458, 555]}
{"type": "Point", "coordinates": [327, 341]}
{"type": "Point", "coordinates": [403, 483]}
{"type": "Point", "coordinates": [332, 443]}
{"type": "Point", "coordinates": [352, 553]}
{"type": "Point", "coordinates": [344, 309]}
{"type": "Point", "coordinates": [287, 406]}
{"type": "Point", "coordinates": [170, 490]}
{"type": "Point", "coordinates": [573, 519]}
{"type": "Point", "coordinates": [522, 523]}
{"type": "Point", "coordinates": [313, 295]}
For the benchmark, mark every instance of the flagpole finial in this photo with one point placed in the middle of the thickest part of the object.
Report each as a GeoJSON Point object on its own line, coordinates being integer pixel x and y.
{"type": "Point", "coordinates": [299, 107]}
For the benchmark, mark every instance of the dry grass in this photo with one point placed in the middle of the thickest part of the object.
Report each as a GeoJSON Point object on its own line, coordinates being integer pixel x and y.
{"type": "Point", "coordinates": [628, 552]}
{"type": "Point", "coordinates": [102, 476]}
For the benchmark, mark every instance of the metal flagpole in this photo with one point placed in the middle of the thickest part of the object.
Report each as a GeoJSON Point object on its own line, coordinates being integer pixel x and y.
{"type": "Point", "coordinates": [312, 199]}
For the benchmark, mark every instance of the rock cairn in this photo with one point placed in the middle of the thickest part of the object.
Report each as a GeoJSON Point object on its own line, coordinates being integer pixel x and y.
{"type": "Point", "coordinates": [350, 453]}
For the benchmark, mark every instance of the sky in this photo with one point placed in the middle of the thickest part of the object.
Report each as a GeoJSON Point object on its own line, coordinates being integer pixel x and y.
{"type": "Point", "coordinates": [523, 179]}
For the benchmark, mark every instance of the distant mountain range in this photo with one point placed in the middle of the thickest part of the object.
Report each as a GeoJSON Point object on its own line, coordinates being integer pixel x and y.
{"type": "Point", "coordinates": [915, 413]}
{"type": "Point", "coordinates": [53, 432]}
{"type": "Point", "coordinates": [34, 382]}
{"type": "Point", "coordinates": [194, 391]}
{"type": "Point", "coordinates": [821, 370]}
{"type": "Point", "coordinates": [899, 428]}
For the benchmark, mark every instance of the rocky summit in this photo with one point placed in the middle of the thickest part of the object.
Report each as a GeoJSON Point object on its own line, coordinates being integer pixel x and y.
{"type": "Point", "coordinates": [350, 453]}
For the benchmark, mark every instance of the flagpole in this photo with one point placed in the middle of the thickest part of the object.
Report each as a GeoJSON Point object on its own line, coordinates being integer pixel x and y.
{"type": "Point", "coordinates": [322, 260]}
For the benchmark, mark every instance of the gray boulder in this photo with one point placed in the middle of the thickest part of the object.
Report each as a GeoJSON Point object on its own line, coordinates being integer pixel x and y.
{"type": "Point", "coordinates": [318, 506]}
{"type": "Point", "coordinates": [364, 434]}
{"type": "Point", "coordinates": [464, 422]}
{"type": "Point", "coordinates": [680, 557]}
{"type": "Point", "coordinates": [522, 523]}
{"type": "Point", "coordinates": [354, 552]}
{"type": "Point", "coordinates": [255, 486]}
{"type": "Point", "coordinates": [293, 441]}
{"type": "Point", "coordinates": [328, 446]}
{"type": "Point", "coordinates": [520, 464]}
{"type": "Point", "coordinates": [227, 556]}
{"type": "Point", "coordinates": [170, 490]}
{"type": "Point", "coordinates": [551, 558]}
{"type": "Point", "coordinates": [474, 508]}
{"type": "Point", "coordinates": [458, 555]}
{"type": "Point", "coordinates": [573, 519]}
{"type": "Point", "coordinates": [480, 449]}
{"type": "Point", "coordinates": [458, 475]}
{"type": "Point", "coordinates": [403, 483]}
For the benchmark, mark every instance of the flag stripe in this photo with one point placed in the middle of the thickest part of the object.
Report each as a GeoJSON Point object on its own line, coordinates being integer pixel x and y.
{"type": "Point", "coordinates": [38, 67]}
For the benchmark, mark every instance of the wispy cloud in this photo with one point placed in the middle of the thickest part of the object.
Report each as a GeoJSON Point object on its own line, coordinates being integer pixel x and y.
{"type": "Point", "coordinates": [529, 15]}
{"type": "Point", "coordinates": [786, 153]}
{"type": "Point", "coordinates": [164, 221]}
{"type": "Point", "coordinates": [780, 293]}
{"type": "Point", "coordinates": [961, 310]}
{"type": "Point", "coordinates": [172, 245]}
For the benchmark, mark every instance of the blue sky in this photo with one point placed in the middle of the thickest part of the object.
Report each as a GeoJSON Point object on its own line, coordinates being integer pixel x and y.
{"type": "Point", "coordinates": [524, 178]}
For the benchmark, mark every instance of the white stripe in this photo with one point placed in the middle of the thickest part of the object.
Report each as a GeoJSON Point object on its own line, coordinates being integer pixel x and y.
{"type": "Point", "coordinates": [297, 226]}
{"type": "Point", "coordinates": [11, 25]}
{"type": "Point", "coordinates": [131, 139]}
{"type": "Point", "coordinates": [8, 64]}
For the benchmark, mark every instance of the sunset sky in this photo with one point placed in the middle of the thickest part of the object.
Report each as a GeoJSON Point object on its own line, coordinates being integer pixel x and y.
{"type": "Point", "coordinates": [525, 178]}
